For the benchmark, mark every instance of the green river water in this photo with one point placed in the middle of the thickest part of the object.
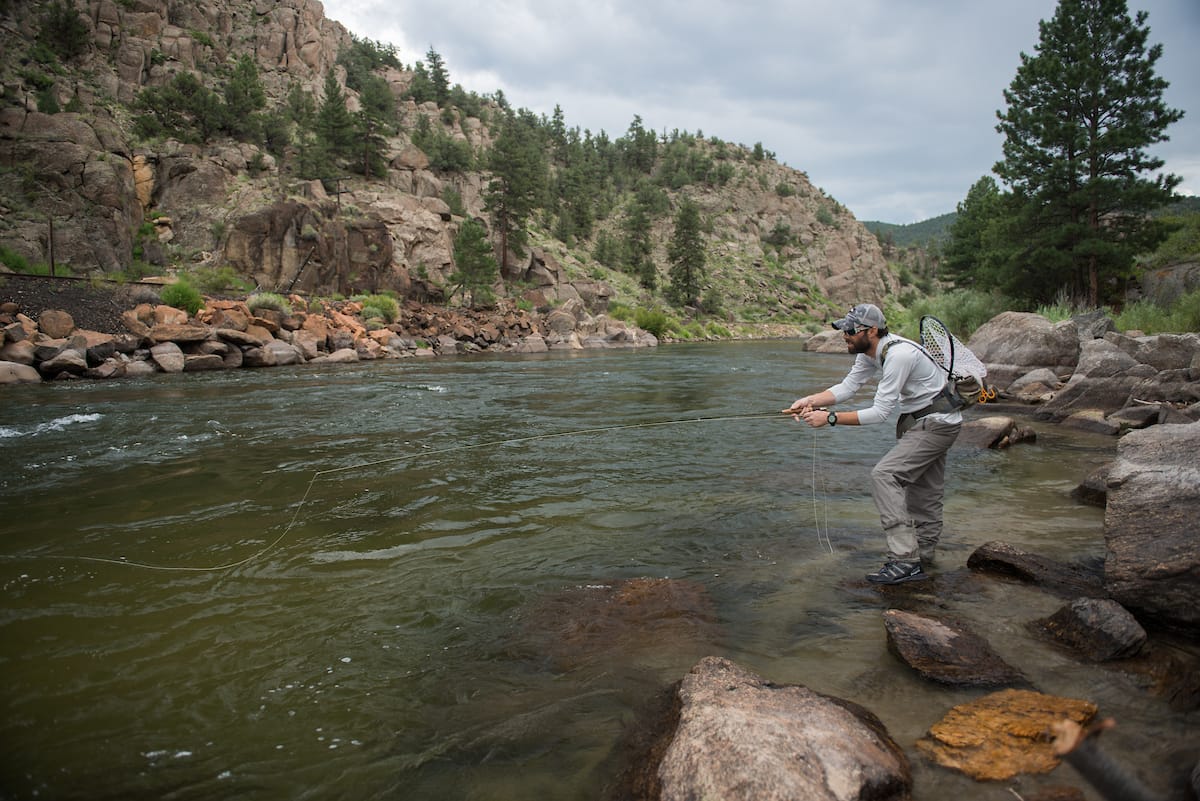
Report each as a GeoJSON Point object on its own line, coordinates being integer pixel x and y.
{"type": "Point", "coordinates": [434, 596]}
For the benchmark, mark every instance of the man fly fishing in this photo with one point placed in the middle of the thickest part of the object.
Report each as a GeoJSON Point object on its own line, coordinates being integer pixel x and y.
{"type": "Point", "coordinates": [909, 481]}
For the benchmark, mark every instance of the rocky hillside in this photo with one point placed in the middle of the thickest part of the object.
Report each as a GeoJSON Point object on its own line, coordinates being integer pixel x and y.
{"type": "Point", "coordinates": [80, 190]}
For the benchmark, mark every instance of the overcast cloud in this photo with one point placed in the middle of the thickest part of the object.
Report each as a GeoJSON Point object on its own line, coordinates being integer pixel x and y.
{"type": "Point", "coordinates": [888, 105]}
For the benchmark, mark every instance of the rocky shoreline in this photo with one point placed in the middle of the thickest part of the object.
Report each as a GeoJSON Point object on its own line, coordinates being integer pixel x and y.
{"type": "Point", "coordinates": [43, 339]}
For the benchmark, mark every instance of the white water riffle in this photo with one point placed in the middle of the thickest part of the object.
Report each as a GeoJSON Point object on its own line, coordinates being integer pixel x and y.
{"type": "Point", "coordinates": [410, 630]}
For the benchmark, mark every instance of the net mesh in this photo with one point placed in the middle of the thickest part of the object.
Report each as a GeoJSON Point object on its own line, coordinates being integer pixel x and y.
{"type": "Point", "coordinates": [949, 352]}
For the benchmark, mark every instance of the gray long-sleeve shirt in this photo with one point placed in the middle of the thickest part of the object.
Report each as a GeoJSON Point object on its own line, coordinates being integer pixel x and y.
{"type": "Point", "coordinates": [908, 379]}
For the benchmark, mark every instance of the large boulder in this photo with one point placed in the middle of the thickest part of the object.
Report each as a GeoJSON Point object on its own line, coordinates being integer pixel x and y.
{"type": "Point", "coordinates": [1152, 563]}
{"type": "Point", "coordinates": [1103, 380]}
{"type": "Point", "coordinates": [1181, 386]}
{"type": "Point", "coordinates": [56, 323]}
{"type": "Point", "coordinates": [15, 373]}
{"type": "Point", "coordinates": [1012, 344]}
{"type": "Point", "coordinates": [826, 342]}
{"type": "Point", "coordinates": [168, 357]}
{"type": "Point", "coordinates": [741, 737]}
{"type": "Point", "coordinates": [1161, 351]}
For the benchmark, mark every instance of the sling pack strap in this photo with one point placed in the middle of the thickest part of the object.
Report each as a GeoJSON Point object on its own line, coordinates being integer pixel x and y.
{"type": "Point", "coordinates": [887, 346]}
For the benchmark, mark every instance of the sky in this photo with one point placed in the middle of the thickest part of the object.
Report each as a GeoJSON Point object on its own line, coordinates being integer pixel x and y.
{"type": "Point", "coordinates": [889, 106]}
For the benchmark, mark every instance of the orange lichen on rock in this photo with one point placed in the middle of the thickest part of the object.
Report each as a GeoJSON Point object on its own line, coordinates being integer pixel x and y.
{"type": "Point", "coordinates": [1002, 734]}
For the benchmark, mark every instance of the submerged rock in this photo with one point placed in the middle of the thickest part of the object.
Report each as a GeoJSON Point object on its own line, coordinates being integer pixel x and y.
{"type": "Point", "coordinates": [995, 431]}
{"type": "Point", "coordinates": [1005, 560]}
{"type": "Point", "coordinates": [946, 652]}
{"type": "Point", "coordinates": [626, 618]}
{"type": "Point", "coordinates": [1100, 629]}
{"type": "Point", "coordinates": [1093, 490]}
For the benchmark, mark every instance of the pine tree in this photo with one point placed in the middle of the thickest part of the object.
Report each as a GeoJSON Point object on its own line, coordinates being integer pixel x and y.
{"type": "Point", "coordinates": [975, 218]}
{"type": "Point", "coordinates": [63, 30]}
{"type": "Point", "coordinates": [475, 272]}
{"type": "Point", "coordinates": [301, 107]}
{"type": "Point", "coordinates": [371, 146]}
{"type": "Point", "coordinates": [334, 123]}
{"type": "Point", "coordinates": [519, 176]}
{"type": "Point", "coordinates": [244, 99]}
{"type": "Point", "coordinates": [420, 88]}
{"type": "Point", "coordinates": [1081, 114]}
{"type": "Point", "coordinates": [638, 247]}
{"type": "Point", "coordinates": [639, 147]}
{"type": "Point", "coordinates": [439, 78]}
{"type": "Point", "coordinates": [687, 255]}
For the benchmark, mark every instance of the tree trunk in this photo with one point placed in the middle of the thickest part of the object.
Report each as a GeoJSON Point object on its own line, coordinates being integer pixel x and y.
{"type": "Point", "coordinates": [1093, 283]}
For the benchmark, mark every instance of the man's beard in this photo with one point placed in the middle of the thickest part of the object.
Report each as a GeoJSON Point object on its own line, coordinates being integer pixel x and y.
{"type": "Point", "coordinates": [858, 345]}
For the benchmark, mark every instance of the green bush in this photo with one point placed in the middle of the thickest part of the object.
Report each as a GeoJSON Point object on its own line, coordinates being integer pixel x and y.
{"type": "Point", "coordinates": [268, 300]}
{"type": "Point", "coordinates": [655, 321]}
{"type": "Point", "coordinates": [220, 279]}
{"type": "Point", "coordinates": [619, 311]}
{"type": "Point", "coordinates": [182, 295]}
{"type": "Point", "coordinates": [1181, 316]}
{"type": "Point", "coordinates": [719, 331]}
{"type": "Point", "coordinates": [382, 306]}
{"type": "Point", "coordinates": [13, 260]}
{"type": "Point", "coordinates": [962, 310]}
{"type": "Point", "coordinates": [1183, 244]}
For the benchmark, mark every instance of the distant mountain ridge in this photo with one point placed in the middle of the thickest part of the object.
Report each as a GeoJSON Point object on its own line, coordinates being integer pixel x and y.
{"type": "Point", "coordinates": [935, 230]}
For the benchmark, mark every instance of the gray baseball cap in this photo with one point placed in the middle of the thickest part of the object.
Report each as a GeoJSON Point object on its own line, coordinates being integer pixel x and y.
{"type": "Point", "coordinates": [864, 315]}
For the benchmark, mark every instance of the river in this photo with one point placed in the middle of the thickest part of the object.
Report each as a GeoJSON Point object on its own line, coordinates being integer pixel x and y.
{"type": "Point", "coordinates": [419, 563]}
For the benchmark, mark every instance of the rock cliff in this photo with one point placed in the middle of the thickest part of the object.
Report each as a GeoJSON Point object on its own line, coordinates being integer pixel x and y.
{"type": "Point", "coordinates": [79, 190]}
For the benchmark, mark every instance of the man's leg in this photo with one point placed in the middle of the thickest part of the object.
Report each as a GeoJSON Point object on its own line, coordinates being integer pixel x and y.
{"type": "Point", "coordinates": [925, 507]}
{"type": "Point", "coordinates": [922, 447]}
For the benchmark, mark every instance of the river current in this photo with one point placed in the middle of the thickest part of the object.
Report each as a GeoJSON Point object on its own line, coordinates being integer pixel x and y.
{"type": "Point", "coordinates": [419, 562]}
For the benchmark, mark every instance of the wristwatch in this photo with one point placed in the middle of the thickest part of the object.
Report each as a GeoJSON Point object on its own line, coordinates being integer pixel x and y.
{"type": "Point", "coordinates": [832, 418]}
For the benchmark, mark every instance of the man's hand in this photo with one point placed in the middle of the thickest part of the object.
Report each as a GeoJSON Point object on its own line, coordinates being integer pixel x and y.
{"type": "Point", "coordinates": [798, 408]}
{"type": "Point", "coordinates": [814, 417]}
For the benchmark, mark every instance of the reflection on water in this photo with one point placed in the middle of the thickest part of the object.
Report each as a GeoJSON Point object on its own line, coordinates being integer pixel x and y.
{"type": "Point", "coordinates": [464, 604]}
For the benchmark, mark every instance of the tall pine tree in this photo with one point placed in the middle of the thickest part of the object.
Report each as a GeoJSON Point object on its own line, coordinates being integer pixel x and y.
{"type": "Point", "coordinates": [439, 77]}
{"type": "Point", "coordinates": [1081, 114]}
{"type": "Point", "coordinates": [637, 246]}
{"type": "Point", "coordinates": [335, 127]}
{"type": "Point", "coordinates": [475, 265]}
{"type": "Point", "coordinates": [687, 255]}
{"type": "Point", "coordinates": [244, 98]}
{"type": "Point", "coordinates": [518, 184]}
{"type": "Point", "coordinates": [970, 234]}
